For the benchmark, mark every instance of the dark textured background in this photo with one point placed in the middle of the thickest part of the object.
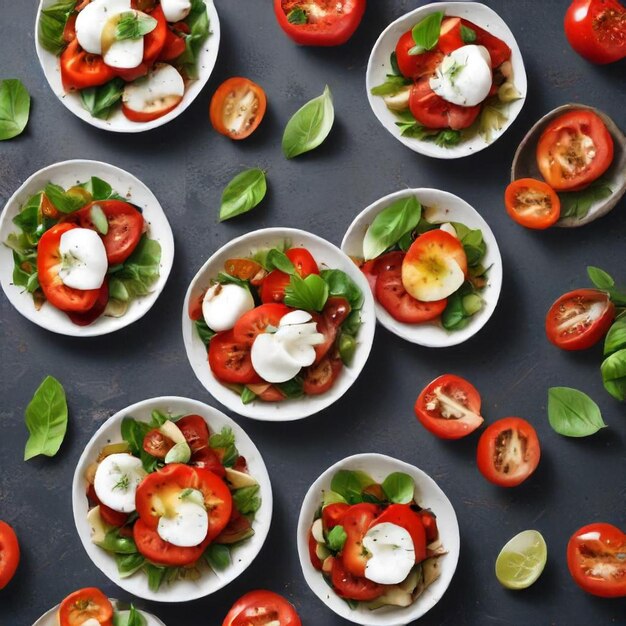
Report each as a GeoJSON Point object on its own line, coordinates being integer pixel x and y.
{"type": "Point", "coordinates": [187, 164]}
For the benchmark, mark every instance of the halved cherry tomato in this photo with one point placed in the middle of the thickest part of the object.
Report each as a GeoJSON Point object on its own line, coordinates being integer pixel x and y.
{"type": "Point", "coordinates": [245, 269]}
{"type": "Point", "coordinates": [329, 331]}
{"type": "Point", "coordinates": [352, 587]}
{"type": "Point", "coordinates": [9, 554]}
{"type": "Point", "coordinates": [373, 267]}
{"type": "Point", "coordinates": [80, 69]}
{"type": "Point", "coordinates": [303, 261]}
{"type": "Point", "coordinates": [320, 377]}
{"type": "Point", "coordinates": [417, 65]}
{"type": "Point", "coordinates": [332, 514]}
{"type": "Point", "coordinates": [156, 444]}
{"type": "Point", "coordinates": [84, 605]}
{"type": "Point", "coordinates": [261, 608]}
{"type": "Point", "coordinates": [48, 265]}
{"type": "Point", "coordinates": [111, 517]}
{"type": "Point", "coordinates": [237, 108]}
{"type": "Point", "coordinates": [90, 316]}
{"type": "Point", "coordinates": [256, 321]}
{"type": "Point", "coordinates": [161, 552]}
{"type": "Point", "coordinates": [596, 29]}
{"type": "Point", "coordinates": [336, 310]}
{"type": "Point", "coordinates": [429, 520]}
{"type": "Point", "coordinates": [356, 521]}
{"type": "Point", "coordinates": [230, 360]}
{"type": "Point", "coordinates": [195, 430]}
{"type": "Point", "coordinates": [323, 23]}
{"type": "Point", "coordinates": [596, 558]}
{"type": "Point", "coordinates": [579, 319]}
{"type": "Point", "coordinates": [498, 50]}
{"type": "Point", "coordinates": [449, 407]}
{"type": "Point", "coordinates": [402, 515]}
{"type": "Point", "coordinates": [532, 203]}
{"type": "Point", "coordinates": [207, 458]}
{"type": "Point", "coordinates": [508, 452]}
{"type": "Point", "coordinates": [574, 149]}
{"type": "Point", "coordinates": [315, 560]}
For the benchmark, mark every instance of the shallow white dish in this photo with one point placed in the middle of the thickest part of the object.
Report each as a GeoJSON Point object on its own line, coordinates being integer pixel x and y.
{"type": "Point", "coordinates": [49, 618]}
{"type": "Point", "coordinates": [327, 256]}
{"type": "Point", "coordinates": [117, 122]}
{"type": "Point", "coordinates": [67, 174]}
{"type": "Point", "coordinates": [379, 66]}
{"type": "Point", "coordinates": [443, 207]}
{"type": "Point", "coordinates": [428, 495]}
{"type": "Point", "coordinates": [209, 582]}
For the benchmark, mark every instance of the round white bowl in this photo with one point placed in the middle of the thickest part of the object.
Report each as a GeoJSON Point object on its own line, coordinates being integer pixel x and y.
{"type": "Point", "coordinates": [428, 495]}
{"type": "Point", "coordinates": [67, 174]}
{"type": "Point", "coordinates": [243, 555]}
{"type": "Point", "coordinates": [443, 207]}
{"type": "Point", "coordinates": [49, 618]}
{"type": "Point", "coordinates": [328, 256]}
{"type": "Point", "coordinates": [379, 66]}
{"type": "Point", "coordinates": [117, 122]}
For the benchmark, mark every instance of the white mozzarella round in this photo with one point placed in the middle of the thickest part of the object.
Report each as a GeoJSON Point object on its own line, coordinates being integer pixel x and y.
{"type": "Point", "coordinates": [161, 89]}
{"type": "Point", "coordinates": [84, 259]}
{"type": "Point", "coordinates": [125, 54]}
{"type": "Point", "coordinates": [91, 20]}
{"type": "Point", "coordinates": [175, 10]}
{"type": "Point", "coordinates": [392, 553]}
{"type": "Point", "coordinates": [295, 317]}
{"type": "Point", "coordinates": [271, 361]}
{"type": "Point", "coordinates": [464, 76]}
{"type": "Point", "coordinates": [187, 527]}
{"type": "Point", "coordinates": [223, 305]}
{"type": "Point", "coordinates": [421, 283]}
{"type": "Point", "coordinates": [116, 481]}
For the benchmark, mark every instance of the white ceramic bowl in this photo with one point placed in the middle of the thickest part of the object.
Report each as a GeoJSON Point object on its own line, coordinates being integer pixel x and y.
{"type": "Point", "coordinates": [67, 174]}
{"type": "Point", "coordinates": [428, 494]}
{"type": "Point", "coordinates": [49, 618]}
{"type": "Point", "coordinates": [117, 122]}
{"type": "Point", "coordinates": [327, 256]}
{"type": "Point", "coordinates": [243, 555]}
{"type": "Point", "coordinates": [443, 207]}
{"type": "Point", "coordinates": [379, 66]}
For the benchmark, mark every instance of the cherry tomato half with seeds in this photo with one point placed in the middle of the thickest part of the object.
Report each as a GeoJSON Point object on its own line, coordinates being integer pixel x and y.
{"type": "Point", "coordinates": [256, 321]}
{"type": "Point", "coordinates": [532, 203]}
{"type": "Point", "coordinates": [320, 377]}
{"type": "Point", "coordinates": [237, 108]}
{"type": "Point", "coordinates": [261, 608]}
{"type": "Point", "coordinates": [156, 444]}
{"type": "Point", "coordinates": [230, 360]}
{"type": "Point", "coordinates": [84, 605]}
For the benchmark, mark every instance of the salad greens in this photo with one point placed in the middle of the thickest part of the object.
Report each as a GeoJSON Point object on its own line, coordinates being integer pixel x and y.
{"type": "Point", "coordinates": [399, 488]}
{"type": "Point", "coordinates": [132, 618]}
{"type": "Point", "coordinates": [243, 193]}
{"type": "Point", "coordinates": [573, 413]}
{"type": "Point", "coordinates": [199, 31]}
{"type": "Point", "coordinates": [14, 108]}
{"type": "Point", "coordinates": [578, 203]}
{"type": "Point", "coordinates": [100, 101]}
{"type": "Point", "coordinates": [426, 33]}
{"type": "Point", "coordinates": [52, 24]}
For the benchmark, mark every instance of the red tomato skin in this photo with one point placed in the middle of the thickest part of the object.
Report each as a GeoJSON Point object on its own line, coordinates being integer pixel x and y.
{"type": "Point", "coordinates": [90, 316]}
{"type": "Point", "coordinates": [429, 519]}
{"type": "Point", "coordinates": [111, 517]}
{"type": "Point", "coordinates": [320, 377]}
{"type": "Point", "coordinates": [9, 554]}
{"type": "Point", "coordinates": [195, 430]}
{"type": "Point", "coordinates": [351, 587]}
{"type": "Point", "coordinates": [499, 51]}
{"type": "Point", "coordinates": [418, 65]}
{"type": "Point", "coordinates": [402, 515]}
{"type": "Point", "coordinates": [230, 361]}
{"type": "Point", "coordinates": [141, 118]}
{"type": "Point", "coordinates": [356, 521]}
{"type": "Point", "coordinates": [173, 47]}
{"type": "Point", "coordinates": [533, 221]}
{"type": "Point", "coordinates": [255, 321]}
{"type": "Point", "coordinates": [450, 38]}
{"type": "Point", "coordinates": [332, 514]}
{"type": "Point", "coordinates": [80, 70]}
{"type": "Point", "coordinates": [245, 609]}
{"type": "Point", "coordinates": [273, 287]}
{"type": "Point", "coordinates": [99, 605]}
{"type": "Point", "coordinates": [315, 560]}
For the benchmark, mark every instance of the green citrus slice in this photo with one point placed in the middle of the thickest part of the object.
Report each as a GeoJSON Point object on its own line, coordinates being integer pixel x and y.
{"type": "Point", "coordinates": [522, 560]}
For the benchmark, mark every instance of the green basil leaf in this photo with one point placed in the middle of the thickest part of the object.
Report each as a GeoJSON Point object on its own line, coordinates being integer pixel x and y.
{"type": "Point", "coordinates": [350, 484]}
{"type": "Point", "coordinates": [63, 201]}
{"type": "Point", "coordinates": [352, 323]}
{"type": "Point", "coordinates": [341, 285]}
{"type": "Point", "coordinates": [453, 316]}
{"type": "Point", "coordinates": [399, 488]}
{"type": "Point", "coordinates": [225, 440]}
{"type": "Point", "coordinates": [297, 16]}
{"type": "Point", "coordinates": [330, 497]}
{"type": "Point", "coordinates": [347, 348]}
{"type": "Point", "coordinates": [468, 35]}
{"type": "Point", "coordinates": [410, 127]}
{"type": "Point", "coordinates": [156, 575]}
{"type": "Point", "coordinates": [14, 108]}
{"type": "Point", "coordinates": [390, 225]}
{"type": "Point", "coordinates": [276, 259]}
{"type": "Point", "coordinates": [247, 500]}
{"type": "Point", "coordinates": [204, 332]}
{"type": "Point", "coordinates": [446, 138]}
{"type": "Point", "coordinates": [393, 61]}
{"type": "Point", "coordinates": [218, 557]}
{"type": "Point", "coordinates": [133, 432]}
{"type": "Point", "coordinates": [199, 31]}
{"type": "Point", "coordinates": [308, 293]}
{"type": "Point", "coordinates": [573, 413]}
{"type": "Point", "coordinates": [128, 564]}
{"type": "Point", "coordinates": [292, 388]}
{"type": "Point", "coordinates": [134, 25]}
{"type": "Point", "coordinates": [129, 618]}
{"type": "Point", "coordinates": [473, 244]}
{"type": "Point", "coordinates": [614, 374]}
{"type": "Point", "coordinates": [393, 85]}
{"type": "Point", "coordinates": [309, 126]}
{"type": "Point", "coordinates": [46, 419]}
{"type": "Point", "coordinates": [247, 395]}
{"type": "Point", "coordinates": [426, 33]}
{"type": "Point", "coordinates": [243, 193]}
{"type": "Point", "coordinates": [116, 543]}
{"type": "Point", "coordinates": [336, 538]}
{"type": "Point", "coordinates": [141, 269]}
{"type": "Point", "coordinates": [600, 278]}
{"type": "Point", "coordinates": [100, 189]}
{"type": "Point", "coordinates": [100, 101]}
{"type": "Point", "coordinates": [52, 24]}
{"type": "Point", "coordinates": [578, 203]}
{"type": "Point", "coordinates": [616, 337]}
{"type": "Point", "coordinates": [158, 418]}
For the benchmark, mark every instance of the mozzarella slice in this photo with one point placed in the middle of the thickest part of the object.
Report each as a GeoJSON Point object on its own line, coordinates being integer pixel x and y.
{"type": "Point", "coordinates": [175, 10]}
{"type": "Point", "coordinates": [295, 317]}
{"type": "Point", "coordinates": [116, 481]}
{"type": "Point", "coordinates": [464, 76]}
{"type": "Point", "coordinates": [187, 527]}
{"type": "Point", "coordinates": [160, 90]}
{"type": "Point", "coordinates": [84, 259]}
{"type": "Point", "coordinates": [124, 54]}
{"type": "Point", "coordinates": [271, 361]}
{"type": "Point", "coordinates": [431, 282]}
{"type": "Point", "coordinates": [223, 305]}
{"type": "Point", "coordinates": [91, 21]}
{"type": "Point", "coordinates": [392, 553]}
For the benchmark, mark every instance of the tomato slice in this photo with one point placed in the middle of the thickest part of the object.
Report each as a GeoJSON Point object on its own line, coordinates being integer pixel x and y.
{"type": "Point", "coordinates": [336, 310]}
{"type": "Point", "coordinates": [273, 286]}
{"type": "Point", "coordinates": [429, 520]}
{"type": "Point", "coordinates": [230, 360]}
{"type": "Point", "coordinates": [596, 29]}
{"type": "Point", "coordinates": [90, 316]}
{"type": "Point", "coordinates": [596, 558]}
{"type": "Point", "coordinates": [532, 203]}
{"type": "Point", "coordinates": [69, 31]}
{"type": "Point", "coordinates": [319, 22]}
{"type": "Point", "coordinates": [332, 514]}
{"type": "Point", "coordinates": [351, 587]}
{"type": "Point", "coordinates": [320, 377]}
{"type": "Point", "coordinates": [237, 108]}
{"type": "Point", "coordinates": [156, 444]}
{"type": "Point", "coordinates": [315, 560]}
{"type": "Point", "coordinates": [209, 459]}
{"type": "Point", "coordinates": [271, 393]}
{"type": "Point", "coordinates": [161, 552]}
{"type": "Point", "coordinates": [450, 35]}
{"type": "Point", "coordinates": [262, 608]}
{"type": "Point", "coordinates": [195, 430]}
{"type": "Point", "coordinates": [498, 50]}
{"type": "Point", "coordinates": [402, 515]}
{"type": "Point", "coordinates": [574, 149]}
{"type": "Point", "coordinates": [508, 452]}
{"type": "Point", "coordinates": [111, 517]}
{"type": "Point", "coordinates": [256, 321]}
{"type": "Point", "coordinates": [356, 521]}
{"type": "Point", "coordinates": [173, 47]}
{"type": "Point", "coordinates": [84, 605]}
{"type": "Point", "coordinates": [155, 40]}
{"type": "Point", "coordinates": [579, 319]}
{"type": "Point", "coordinates": [245, 269]}
{"type": "Point", "coordinates": [9, 554]}
{"type": "Point", "coordinates": [303, 261]}
{"type": "Point", "coordinates": [80, 69]}
{"type": "Point", "coordinates": [449, 407]}
{"type": "Point", "coordinates": [418, 65]}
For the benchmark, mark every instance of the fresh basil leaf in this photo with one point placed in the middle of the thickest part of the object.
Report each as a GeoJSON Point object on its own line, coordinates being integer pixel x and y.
{"type": "Point", "coordinates": [129, 618]}
{"type": "Point", "coordinates": [225, 440]}
{"type": "Point", "coordinates": [292, 388]}
{"type": "Point", "coordinates": [156, 575]}
{"type": "Point", "coordinates": [410, 127]}
{"type": "Point", "coordinates": [330, 497]}
{"type": "Point", "coordinates": [204, 332]}
{"type": "Point", "coordinates": [350, 484]}
{"type": "Point", "coordinates": [158, 418]}
{"type": "Point", "coordinates": [352, 323]}
{"type": "Point", "coordinates": [14, 108]}
{"type": "Point", "coordinates": [308, 293]}
{"type": "Point", "coordinates": [336, 538]}
{"type": "Point", "coordinates": [134, 25]}
{"type": "Point", "coordinates": [116, 543]}
{"type": "Point", "coordinates": [28, 217]}
{"type": "Point", "coordinates": [297, 16]}
{"type": "Point", "coordinates": [468, 35]}
{"type": "Point", "coordinates": [247, 395]}
{"type": "Point", "coordinates": [573, 413]}
{"type": "Point", "coordinates": [278, 260]}
{"type": "Point", "coordinates": [226, 279]}
{"type": "Point", "coordinates": [426, 33]}
{"type": "Point", "coordinates": [243, 193]}
{"type": "Point", "coordinates": [390, 225]}
{"type": "Point", "coordinates": [128, 564]}
{"type": "Point", "coordinates": [399, 488]}
{"type": "Point", "coordinates": [616, 337]}
{"type": "Point", "coordinates": [100, 101]}
{"type": "Point", "coordinates": [52, 23]}
{"type": "Point", "coordinates": [247, 500]}
{"type": "Point", "coordinates": [46, 419]}
{"type": "Point", "coordinates": [453, 316]}
{"type": "Point", "coordinates": [141, 270]}
{"type": "Point", "coordinates": [474, 246]}
{"type": "Point", "coordinates": [393, 85]}
{"type": "Point", "coordinates": [341, 285]}
{"type": "Point", "coordinates": [614, 374]}
{"type": "Point", "coordinates": [578, 203]}
{"type": "Point", "coordinates": [393, 61]}
{"type": "Point", "coordinates": [133, 432]}
{"type": "Point", "coordinates": [218, 557]}
{"type": "Point", "coordinates": [198, 23]}
{"type": "Point", "coordinates": [100, 190]}
{"type": "Point", "coordinates": [446, 138]}
{"type": "Point", "coordinates": [63, 201]}
{"type": "Point", "coordinates": [347, 348]}
{"type": "Point", "coordinates": [309, 126]}
{"type": "Point", "coordinates": [600, 278]}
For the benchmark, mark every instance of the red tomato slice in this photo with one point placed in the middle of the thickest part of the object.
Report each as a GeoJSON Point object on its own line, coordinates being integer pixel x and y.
{"type": "Point", "coordinates": [336, 310]}
{"type": "Point", "coordinates": [259, 608]}
{"type": "Point", "coordinates": [450, 37]}
{"type": "Point", "coordinates": [69, 31]}
{"type": "Point", "coordinates": [237, 108]}
{"type": "Point", "coordinates": [418, 65]}
{"type": "Point", "coordinates": [596, 558]}
{"type": "Point", "coordinates": [173, 47]}
{"type": "Point", "coordinates": [271, 394]}
{"type": "Point", "coordinates": [508, 452]}
{"type": "Point", "coordinates": [90, 316]}
{"type": "Point", "coordinates": [230, 360]}
{"type": "Point", "coordinates": [449, 407]}
{"type": "Point", "coordinates": [320, 377]}
{"type": "Point", "coordinates": [303, 261]}
{"type": "Point", "coordinates": [332, 514]}
{"type": "Point", "coordinates": [80, 69]}
{"type": "Point", "coordinates": [195, 430]}
{"type": "Point", "coordinates": [329, 331]}
{"type": "Point", "coordinates": [156, 444]}
{"type": "Point", "coordinates": [315, 560]}
{"type": "Point", "coordinates": [351, 587]}
{"type": "Point", "coordinates": [111, 517]}
{"type": "Point", "coordinates": [83, 605]}
{"type": "Point", "coordinates": [574, 149]}
{"type": "Point", "coordinates": [208, 459]}
{"type": "Point", "coordinates": [596, 29]}
{"type": "Point", "coordinates": [532, 203]}
{"type": "Point", "coordinates": [256, 321]}
{"type": "Point", "coordinates": [245, 269]}
{"type": "Point", "coordinates": [9, 554]}
{"type": "Point", "coordinates": [356, 521]}
{"type": "Point", "coordinates": [324, 22]}
{"type": "Point", "coordinates": [432, 111]}
{"type": "Point", "coordinates": [579, 319]}
{"type": "Point", "coordinates": [48, 265]}
{"type": "Point", "coordinates": [154, 41]}
{"type": "Point", "coordinates": [498, 50]}
{"type": "Point", "coordinates": [429, 520]}
{"type": "Point", "coordinates": [402, 515]}
{"type": "Point", "coordinates": [273, 286]}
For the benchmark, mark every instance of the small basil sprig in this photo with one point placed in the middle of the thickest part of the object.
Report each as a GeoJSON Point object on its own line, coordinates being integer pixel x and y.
{"type": "Point", "coordinates": [573, 413]}
{"type": "Point", "coordinates": [426, 33]}
{"type": "Point", "coordinates": [603, 280]}
{"type": "Point", "coordinates": [308, 293]}
{"type": "Point", "coordinates": [131, 618]}
{"type": "Point", "coordinates": [134, 25]}
{"type": "Point", "coordinates": [14, 108]}
{"type": "Point", "coordinates": [100, 101]}
{"type": "Point", "coordinates": [277, 260]}
{"type": "Point", "coordinates": [350, 484]}
{"type": "Point", "coordinates": [243, 193]}
{"type": "Point", "coordinates": [616, 337]}
{"type": "Point", "coordinates": [309, 126]}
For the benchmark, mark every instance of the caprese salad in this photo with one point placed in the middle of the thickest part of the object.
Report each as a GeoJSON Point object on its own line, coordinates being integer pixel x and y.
{"type": "Point", "coordinates": [90, 607]}
{"type": "Point", "coordinates": [142, 53]}
{"type": "Point", "coordinates": [278, 326]}
{"type": "Point", "coordinates": [373, 542]}
{"type": "Point", "coordinates": [424, 271]}
{"type": "Point", "coordinates": [447, 74]}
{"type": "Point", "coordinates": [170, 497]}
{"type": "Point", "coordinates": [85, 250]}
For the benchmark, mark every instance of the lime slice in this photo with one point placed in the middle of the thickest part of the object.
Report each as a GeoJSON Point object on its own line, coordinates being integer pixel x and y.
{"type": "Point", "coordinates": [522, 560]}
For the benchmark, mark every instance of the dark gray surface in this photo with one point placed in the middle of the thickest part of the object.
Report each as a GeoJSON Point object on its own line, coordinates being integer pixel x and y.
{"type": "Point", "coordinates": [186, 165]}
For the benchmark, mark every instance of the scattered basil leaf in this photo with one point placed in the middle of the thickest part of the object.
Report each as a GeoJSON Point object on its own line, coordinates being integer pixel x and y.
{"type": "Point", "coordinates": [247, 500]}
{"type": "Point", "coordinates": [468, 35]}
{"type": "Point", "coordinates": [243, 193]}
{"type": "Point", "coordinates": [297, 16]}
{"type": "Point", "coordinates": [128, 564]}
{"type": "Point", "coordinates": [247, 395]}
{"type": "Point", "coordinates": [578, 203]}
{"type": "Point", "coordinates": [134, 25]}
{"type": "Point", "coordinates": [179, 453]}
{"type": "Point", "coordinates": [393, 84]}
{"type": "Point", "coordinates": [308, 293]}
{"type": "Point", "coordinates": [473, 243]}
{"type": "Point", "coordinates": [46, 419]}
{"type": "Point", "coordinates": [399, 488]}
{"type": "Point", "coordinates": [52, 23]}
{"type": "Point", "coordinates": [336, 538]}
{"type": "Point", "coordinates": [204, 332]}
{"type": "Point", "coordinates": [114, 542]}
{"type": "Point", "coordinates": [100, 101]}
{"type": "Point", "coordinates": [573, 413]}
{"type": "Point", "coordinates": [14, 108]}
{"type": "Point", "coordinates": [309, 126]}
{"type": "Point", "coordinates": [217, 556]}
{"type": "Point", "coordinates": [277, 260]}
{"type": "Point", "coordinates": [350, 484]}
{"type": "Point", "coordinates": [614, 374]}
{"type": "Point", "coordinates": [603, 280]}
{"type": "Point", "coordinates": [341, 285]}
{"type": "Point", "coordinates": [616, 337]}
{"type": "Point", "coordinates": [198, 23]}
{"type": "Point", "coordinates": [426, 33]}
